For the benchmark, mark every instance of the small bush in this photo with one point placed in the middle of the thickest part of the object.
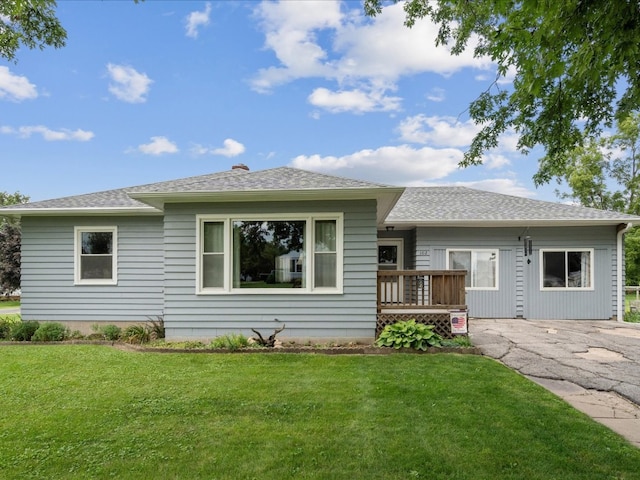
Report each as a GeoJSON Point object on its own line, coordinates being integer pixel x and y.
{"type": "Point", "coordinates": [23, 331]}
{"type": "Point", "coordinates": [50, 332]}
{"type": "Point", "coordinates": [632, 317]}
{"type": "Point", "coordinates": [409, 334]}
{"type": "Point", "coordinates": [111, 332]}
{"type": "Point", "coordinates": [155, 327]}
{"type": "Point", "coordinates": [231, 341]}
{"type": "Point", "coordinates": [457, 341]}
{"type": "Point", "coordinates": [136, 334]}
{"type": "Point", "coordinates": [5, 330]}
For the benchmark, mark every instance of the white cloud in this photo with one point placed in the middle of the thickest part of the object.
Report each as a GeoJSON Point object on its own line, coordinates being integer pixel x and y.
{"type": "Point", "coordinates": [356, 101]}
{"type": "Point", "coordinates": [369, 54]}
{"type": "Point", "coordinates": [158, 146]}
{"type": "Point", "coordinates": [438, 131]}
{"type": "Point", "coordinates": [437, 95]}
{"type": "Point", "coordinates": [48, 134]}
{"type": "Point", "coordinates": [230, 148]}
{"type": "Point", "coordinates": [127, 84]}
{"type": "Point", "coordinates": [390, 165]}
{"type": "Point", "coordinates": [197, 19]}
{"type": "Point", "coordinates": [15, 87]}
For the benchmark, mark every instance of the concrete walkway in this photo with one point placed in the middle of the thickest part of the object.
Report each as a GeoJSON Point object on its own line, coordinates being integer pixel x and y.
{"type": "Point", "coordinates": [9, 311]}
{"type": "Point", "coordinates": [593, 365]}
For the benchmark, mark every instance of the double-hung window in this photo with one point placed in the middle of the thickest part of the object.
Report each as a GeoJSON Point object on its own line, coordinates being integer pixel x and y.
{"type": "Point", "coordinates": [566, 269]}
{"type": "Point", "coordinates": [481, 266]}
{"type": "Point", "coordinates": [270, 254]}
{"type": "Point", "coordinates": [96, 255]}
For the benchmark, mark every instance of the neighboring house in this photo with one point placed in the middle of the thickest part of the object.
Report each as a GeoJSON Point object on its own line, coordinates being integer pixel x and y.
{"type": "Point", "coordinates": [200, 251]}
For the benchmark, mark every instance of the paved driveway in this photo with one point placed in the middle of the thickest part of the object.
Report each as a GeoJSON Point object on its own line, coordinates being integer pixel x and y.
{"type": "Point", "coordinates": [591, 364]}
{"type": "Point", "coordinates": [600, 355]}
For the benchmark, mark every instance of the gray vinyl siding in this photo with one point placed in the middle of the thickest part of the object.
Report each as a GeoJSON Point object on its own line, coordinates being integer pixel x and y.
{"type": "Point", "coordinates": [519, 293]}
{"type": "Point", "coordinates": [351, 314]}
{"type": "Point", "coordinates": [596, 304]}
{"type": "Point", "coordinates": [48, 290]}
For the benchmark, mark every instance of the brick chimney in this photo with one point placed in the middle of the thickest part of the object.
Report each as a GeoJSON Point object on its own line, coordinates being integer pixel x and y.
{"type": "Point", "coordinates": [240, 166]}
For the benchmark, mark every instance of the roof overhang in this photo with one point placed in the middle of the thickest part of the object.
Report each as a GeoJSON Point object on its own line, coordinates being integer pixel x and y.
{"type": "Point", "coordinates": [18, 212]}
{"type": "Point", "coordinates": [386, 197]}
{"type": "Point", "coordinates": [405, 225]}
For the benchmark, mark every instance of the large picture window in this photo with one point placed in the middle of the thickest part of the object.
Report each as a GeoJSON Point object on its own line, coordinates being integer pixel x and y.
{"type": "Point", "coordinates": [567, 269]}
{"type": "Point", "coordinates": [96, 255]}
{"type": "Point", "coordinates": [481, 267]}
{"type": "Point", "coordinates": [275, 254]}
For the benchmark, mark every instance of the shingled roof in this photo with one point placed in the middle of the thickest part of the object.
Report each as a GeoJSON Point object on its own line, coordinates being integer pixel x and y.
{"type": "Point", "coordinates": [461, 206]}
{"type": "Point", "coordinates": [259, 185]}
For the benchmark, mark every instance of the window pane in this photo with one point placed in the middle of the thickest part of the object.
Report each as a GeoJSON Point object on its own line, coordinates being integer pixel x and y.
{"type": "Point", "coordinates": [325, 236]}
{"type": "Point", "coordinates": [579, 269]}
{"type": "Point", "coordinates": [553, 269]}
{"type": "Point", "coordinates": [461, 261]}
{"type": "Point", "coordinates": [265, 251]}
{"type": "Point", "coordinates": [213, 237]}
{"type": "Point", "coordinates": [325, 270]}
{"type": "Point", "coordinates": [96, 267]}
{"type": "Point", "coordinates": [97, 243]}
{"type": "Point", "coordinates": [484, 270]}
{"type": "Point", "coordinates": [213, 271]}
{"type": "Point", "coordinates": [388, 254]}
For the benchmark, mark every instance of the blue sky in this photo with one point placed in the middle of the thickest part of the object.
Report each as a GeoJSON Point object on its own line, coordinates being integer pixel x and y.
{"type": "Point", "coordinates": [168, 89]}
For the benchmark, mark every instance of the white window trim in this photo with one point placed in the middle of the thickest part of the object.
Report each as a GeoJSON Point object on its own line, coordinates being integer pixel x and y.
{"type": "Point", "coordinates": [77, 251]}
{"type": "Point", "coordinates": [308, 218]}
{"type": "Point", "coordinates": [472, 250]}
{"type": "Point", "coordinates": [568, 289]}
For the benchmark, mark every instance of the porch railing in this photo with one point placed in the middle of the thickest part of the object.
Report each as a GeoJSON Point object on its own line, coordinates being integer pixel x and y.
{"type": "Point", "coordinates": [421, 289]}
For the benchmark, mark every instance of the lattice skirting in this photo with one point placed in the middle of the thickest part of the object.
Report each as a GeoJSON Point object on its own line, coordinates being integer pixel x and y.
{"type": "Point", "coordinates": [441, 321]}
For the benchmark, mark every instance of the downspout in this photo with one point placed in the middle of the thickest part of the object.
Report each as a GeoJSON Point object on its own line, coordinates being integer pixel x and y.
{"type": "Point", "coordinates": [619, 264]}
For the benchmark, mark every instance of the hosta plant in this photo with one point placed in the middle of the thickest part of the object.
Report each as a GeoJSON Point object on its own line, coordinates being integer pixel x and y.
{"type": "Point", "coordinates": [409, 334]}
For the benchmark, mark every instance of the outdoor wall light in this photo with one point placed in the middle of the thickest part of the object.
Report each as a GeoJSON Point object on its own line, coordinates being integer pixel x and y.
{"type": "Point", "coordinates": [389, 228]}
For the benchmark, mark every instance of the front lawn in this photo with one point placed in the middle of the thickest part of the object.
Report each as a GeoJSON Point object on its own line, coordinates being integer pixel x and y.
{"type": "Point", "coordinates": [86, 411]}
{"type": "Point", "coordinates": [9, 304]}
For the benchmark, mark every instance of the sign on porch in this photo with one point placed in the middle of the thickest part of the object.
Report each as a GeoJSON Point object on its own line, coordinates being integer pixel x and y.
{"type": "Point", "coordinates": [458, 321]}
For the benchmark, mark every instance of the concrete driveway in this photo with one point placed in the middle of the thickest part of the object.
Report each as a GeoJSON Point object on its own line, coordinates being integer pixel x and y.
{"type": "Point", "coordinates": [593, 365]}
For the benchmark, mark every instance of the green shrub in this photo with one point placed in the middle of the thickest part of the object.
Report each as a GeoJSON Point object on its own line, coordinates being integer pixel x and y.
{"type": "Point", "coordinates": [231, 341]}
{"type": "Point", "coordinates": [632, 317]}
{"type": "Point", "coordinates": [5, 330]}
{"type": "Point", "coordinates": [50, 332]}
{"type": "Point", "coordinates": [135, 334]}
{"type": "Point", "coordinates": [155, 327]}
{"type": "Point", "coordinates": [111, 332]}
{"type": "Point", "coordinates": [409, 334]}
{"type": "Point", "coordinates": [23, 331]}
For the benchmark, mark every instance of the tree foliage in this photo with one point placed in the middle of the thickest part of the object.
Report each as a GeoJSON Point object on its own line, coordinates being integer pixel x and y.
{"type": "Point", "coordinates": [31, 23]}
{"type": "Point", "coordinates": [10, 239]}
{"type": "Point", "coordinates": [576, 66]}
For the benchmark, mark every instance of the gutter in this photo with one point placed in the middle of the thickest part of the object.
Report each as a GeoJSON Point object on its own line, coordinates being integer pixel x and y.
{"type": "Point", "coordinates": [622, 229]}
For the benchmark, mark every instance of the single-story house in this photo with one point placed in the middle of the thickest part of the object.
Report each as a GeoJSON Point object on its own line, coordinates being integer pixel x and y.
{"type": "Point", "coordinates": [201, 252]}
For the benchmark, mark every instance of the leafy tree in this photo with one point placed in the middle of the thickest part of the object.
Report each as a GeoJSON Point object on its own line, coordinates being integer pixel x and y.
{"type": "Point", "coordinates": [31, 23]}
{"type": "Point", "coordinates": [576, 63]}
{"type": "Point", "coordinates": [10, 239]}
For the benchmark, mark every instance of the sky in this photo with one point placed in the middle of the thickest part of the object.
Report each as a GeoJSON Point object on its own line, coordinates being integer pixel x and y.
{"type": "Point", "coordinates": [162, 89]}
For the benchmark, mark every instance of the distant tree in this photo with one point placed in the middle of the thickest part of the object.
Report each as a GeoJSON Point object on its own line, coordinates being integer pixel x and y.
{"type": "Point", "coordinates": [31, 23]}
{"type": "Point", "coordinates": [595, 170]}
{"type": "Point", "coordinates": [10, 239]}
{"type": "Point", "coordinates": [576, 66]}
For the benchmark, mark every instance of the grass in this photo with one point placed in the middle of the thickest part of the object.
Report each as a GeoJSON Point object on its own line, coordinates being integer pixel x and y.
{"type": "Point", "coordinates": [96, 412]}
{"type": "Point", "coordinates": [9, 304]}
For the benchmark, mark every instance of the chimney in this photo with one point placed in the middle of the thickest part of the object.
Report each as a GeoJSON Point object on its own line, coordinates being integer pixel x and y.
{"type": "Point", "coordinates": [240, 166]}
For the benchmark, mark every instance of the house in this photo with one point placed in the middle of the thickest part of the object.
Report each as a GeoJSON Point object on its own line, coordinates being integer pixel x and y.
{"type": "Point", "coordinates": [204, 253]}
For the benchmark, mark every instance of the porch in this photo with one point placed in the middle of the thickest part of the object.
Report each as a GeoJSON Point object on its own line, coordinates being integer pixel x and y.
{"type": "Point", "coordinates": [428, 296]}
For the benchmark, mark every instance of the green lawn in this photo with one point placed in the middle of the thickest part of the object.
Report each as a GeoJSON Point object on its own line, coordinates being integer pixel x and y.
{"type": "Point", "coordinates": [9, 304]}
{"type": "Point", "coordinates": [97, 412]}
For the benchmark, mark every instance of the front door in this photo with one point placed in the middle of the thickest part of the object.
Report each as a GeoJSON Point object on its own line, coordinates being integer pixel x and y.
{"type": "Point", "coordinates": [391, 257]}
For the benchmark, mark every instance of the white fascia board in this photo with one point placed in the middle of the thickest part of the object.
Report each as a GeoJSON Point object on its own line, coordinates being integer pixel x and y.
{"type": "Point", "coordinates": [92, 211]}
{"type": "Point", "coordinates": [508, 223]}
